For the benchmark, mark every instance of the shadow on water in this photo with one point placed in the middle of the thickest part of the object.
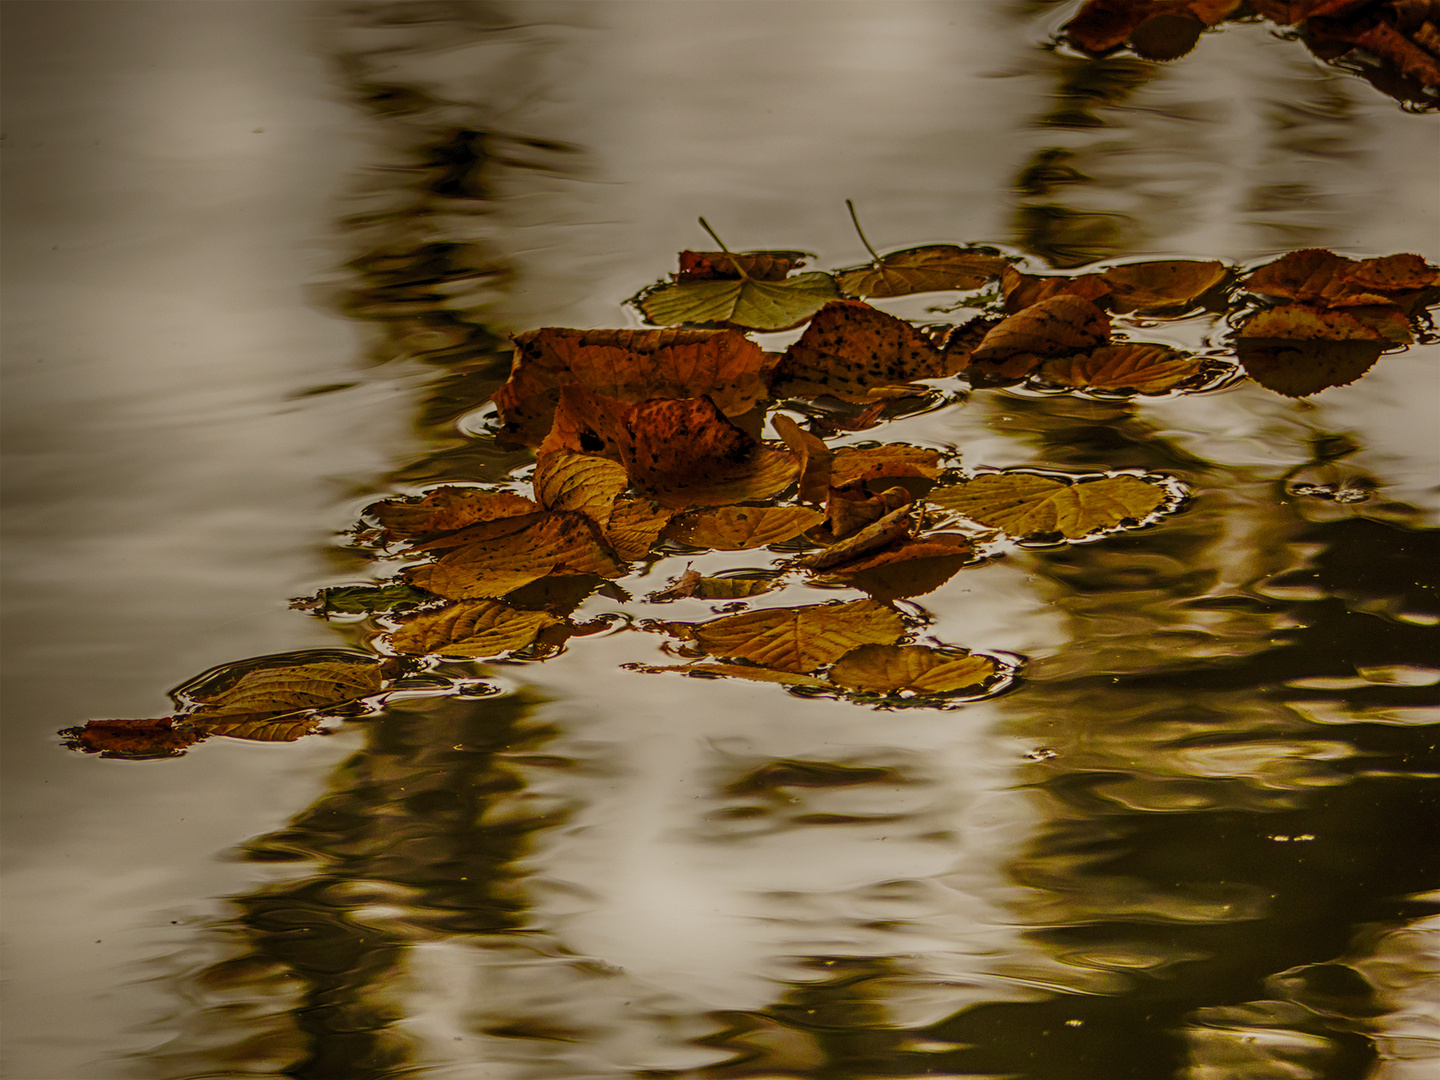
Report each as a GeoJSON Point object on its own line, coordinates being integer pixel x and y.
{"type": "Point", "coordinates": [1194, 842]}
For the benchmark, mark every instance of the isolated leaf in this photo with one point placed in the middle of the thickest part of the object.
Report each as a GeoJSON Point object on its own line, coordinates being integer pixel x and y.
{"type": "Point", "coordinates": [891, 461]}
{"type": "Point", "coordinates": [911, 567]}
{"type": "Point", "coordinates": [932, 268]}
{"type": "Point", "coordinates": [721, 265]}
{"type": "Point", "coordinates": [445, 509]}
{"type": "Point", "coordinates": [801, 638]}
{"type": "Point", "coordinates": [1024, 504]}
{"type": "Point", "coordinates": [634, 525]}
{"type": "Point", "coordinates": [1161, 285]}
{"type": "Point", "coordinates": [685, 453]}
{"type": "Point", "coordinates": [853, 507]}
{"type": "Point", "coordinates": [361, 599]}
{"type": "Point", "coordinates": [1022, 290]}
{"type": "Point", "coordinates": [1058, 326]}
{"type": "Point", "coordinates": [279, 702]}
{"type": "Point", "coordinates": [886, 669]}
{"type": "Point", "coordinates": [1143, 368]}
{"type": "Point", "coordinates": [566, 480]}
{"type": "Point", "coordinates": [747, 303]}
{"type": "Point", "coordinates": [693, 584]}
{"type": "Point", "coordinates": [737, 528]}
{"type": "Point", "coordinates": [850, 347]}
{"type": "Point", "coordinates": [1298, 351]}
{"type": "Point", "coordinates": [470, 628]}
{"type": "Point", "coordinates": [498, 557]}
{"type": "Point", "coordinates": [878, 534]}
{"type": "Point", "coordinates": [813, 455]}
{"type": "Point", "coordinates": [136, 740]}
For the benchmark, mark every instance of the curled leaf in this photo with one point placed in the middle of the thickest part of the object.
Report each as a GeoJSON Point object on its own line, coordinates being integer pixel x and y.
{"type": "Point", "coordinates": [813, 455]}
{"type": "Point", "coordinates": [910, 567]}
{"type": "Point", "coordinates": [932, 268]}
{"type": "Point", "coordinates": [852, 508]}
{"type": "Point", "coordinates": [799, 639]}
{"type": "Point", "coordinates": [739, 671]}
{"type": "Point", "coordinates": [470, 628]}
{"type": "Point", "coordinates": [566, 480]}
{"type": "Point", "coordinates": [850, 347]}
{"type": "Point", "coordinates": [887, 530]}
{"type": "Point", "coordinates": [1024, 505]}
{"type": "Point", "coordinates": [737, 528]}
{"type": "Point", "coordinates": [634, 525]}
{"type": "Point", "coordinates": [888, 669]}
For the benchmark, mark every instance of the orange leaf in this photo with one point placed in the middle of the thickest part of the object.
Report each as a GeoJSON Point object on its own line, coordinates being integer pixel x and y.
{"type": "Point", "coordinates": [134, 739]}
{"type": "Point", "coordinates": [886, 669]}
{"type": "Point", "coordinates": [1022, 290]}
{"type": "Point", "coordinates": [799, 639]}
{"type": "Point", "coordinates": [445, 509]}
{"type": "Point", "coordinates": [720, 265]}
{"type": "Point", "coordinates": [586, 422]}
{"type": "Point", "coordinates": [894, 526]}
{"type": "Point", "coordinates": [635, 523]}
{"type": "Point", "coordinates": [1139, 367]}
{"type": "Point", "coordinates": [851, 508]}
{"type": "Point", "coordinates": [1316, 276]}
{"type": "Point", "coordinates": [1054, 327]}
{"type": "Point", "coordinates": [814, 456]}
{"type": "Point", "coordinates": [470, 628]}
{"type": "Point", "coordinates": [739, 528]}
{"type": "Point", "coordinates": [1393, 274]}
{"type": "Point", "coordinates": [850, 347]}
{"type": "Point", "coordinates": [1150, 286]}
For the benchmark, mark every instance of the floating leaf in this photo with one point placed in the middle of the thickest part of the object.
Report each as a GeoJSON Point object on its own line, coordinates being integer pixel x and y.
{"type": "Point", "coordinates": [813, 455]}
{"type": "Point", "coordinates": [1393, 274]}
{"type": "Point", "coordinates": [1024, 505]}
{"type": "Point", "coordinates": [1022, 290]}
{"type": "Point", "coordinates": [634, 525]}
{"type": "Point", "coordinates": [470, 628]}
{"type": "Point", "coordinates": [362, 599]}
{"type": "Point", "coordinates": [693, 584]}
{"type": "Point", "coordinates": [850, 348]}
{"type": "Point", "coordinates": [1149, 25]}
{"type": "Point", "coordinates": [1138, 367]}
{"type": "Point", "coordinates": [445, 509]}
{"type": "Point", "coordinates": [685, 453]}
{"type": "Point", "coordinates": [1319, 277]}
{"type": "Point", "coordinates": [136, 740]}
{"type": "Point", "coordinates": [277, 702]}
{"type": "Point", "coordinates": [566, 480]}
{"type": "Point", "coordinates": [911, 567]}
{"type": "Point", "coordinates": [1058, 326]}
{"type": "Point", "coordinates": [1385, 42]}
{"type": "Point", "coordinates": [852, 508]}
{"type": "Point", "coordinates": [799, 639]}
{"type": "Point", "coordinates": [737, 528]}
{"type": "Point", "coordinates": [878, 534]}
{"type": "Point", "coordinates": [887, 669]}
{"type": "Point", "coordinates": [722, 265]}
{"type": "Point", "coordinates": [587, 423]}
{"type": "Point", "coordinates": [739, 671]}
{"type": "Point", "coordinates": [500, 556]}
{"type": "Point", "coordinates": [1161, 285]}
{"type": "Point", "coordinates": [932, 268]}
{"type": "Point", "coordinates": [891, 461]}
{"type": "Point", "coordinates": [747, 303]}
{"type": "Point", "coordinates": [1298, 351]}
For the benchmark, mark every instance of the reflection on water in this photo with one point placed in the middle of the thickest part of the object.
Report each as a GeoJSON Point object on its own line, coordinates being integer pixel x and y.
{"type": "Point", "coordinates": [1196, 839]}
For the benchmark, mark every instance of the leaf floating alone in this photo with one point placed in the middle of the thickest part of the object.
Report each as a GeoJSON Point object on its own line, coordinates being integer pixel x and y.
{"type": "Point", "coordinates": [737, 528]}
{"type": "Point", "coordinates": [1298, 351]}
{"type": "Point", "coordinates": [1161, 285]}
{"type": "Point", "coordinates": [1055, 327]}
{"type": "Point", "coordinates": [1136, 367]}
{"type": "Point", "coordinates": [888, 669]}
{"type": "Point", "coordinates": [721, 265]}
{"type": "Point", "coordinates": [277, 703]}
{"type": "Point", "coordinates": [933, 268]}
{"type": "Point", "coordinates": [800, 639]}
{"type": "Point", "coordinates": [470, 628]}
{"type": "Point", "coordinates": [135, 740]}
{"type": "Point", "coordinates": [850, 348]}
{"type": "Point", "coordinates": [1024, 505]}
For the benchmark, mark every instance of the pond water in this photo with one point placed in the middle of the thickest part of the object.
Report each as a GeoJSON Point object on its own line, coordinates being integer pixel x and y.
{"type": "Point", "coordinates": [263, 259]}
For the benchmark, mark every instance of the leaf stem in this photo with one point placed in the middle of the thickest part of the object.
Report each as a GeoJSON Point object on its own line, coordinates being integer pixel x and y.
{"type": "Point", "coordinates": [733, 261]}
{"type": "Point", "coordinates": [853, 217]}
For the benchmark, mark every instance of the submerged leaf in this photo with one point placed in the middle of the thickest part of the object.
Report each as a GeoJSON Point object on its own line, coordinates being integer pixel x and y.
{"type": "Point", "coordinates": [693, 584]}
{"type": "Point", "coordinates": [850, 348]}
{"type": "Point", "coordinates": [1055, 327]}
{"type": "Point", "coordinates": [737, 528]}
{"type": "Point", "coordinates": [932, 268]}
{"type": "Point", "coordinates": [799, 639]}
{"type": "Point", "coordinates": [470, 628]}
{"type": "Point", "coordinates": [362, 599]}
{"type": "Point", "coordinates": [713, 670]}
{"type": "Point", "coordinates": [1025, 505]}
{"type": "Point", "coordinates": [887, 669]}
{"type": "Point", "coordinates": [747, 303]}
{"type": "Point", "coordinates": [1139, 367]}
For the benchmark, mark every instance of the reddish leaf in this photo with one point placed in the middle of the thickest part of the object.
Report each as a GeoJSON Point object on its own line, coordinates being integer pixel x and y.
{"type": "Point", "coordinates": [721, 265]}
{"type": "Point", "coordinates": [135, 739]}
{"type": "Point", "coordinates": [1058, 326]}
{"type": "Point", "coordinates": [850, 348]}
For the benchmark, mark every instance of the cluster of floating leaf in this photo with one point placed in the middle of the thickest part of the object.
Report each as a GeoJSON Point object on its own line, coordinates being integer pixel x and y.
{"type": "Point", "coordinates": [649, 444]}
{"type": "Point", "coordinates": [1399, 40]}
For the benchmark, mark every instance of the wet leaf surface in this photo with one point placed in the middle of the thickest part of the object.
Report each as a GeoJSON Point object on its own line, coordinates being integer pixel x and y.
{"type": "Point", "coordinates": [891, 461]}
{"type": "Point", "coordinates": [279, 702]}
{"type": "Point", "coordinates": [894, 526]}
{"type": "Point", "coordinates": [470, 628]}
{"type": "Point", "coordinates": [736, 528]}
{"type": "Point", "coordinates": [850, 348]}
{"type": "Point", "coordinates": [931, 268]}
{"type": "Point", "coordinates": [445, 509]}
{"type": "Point", "coordinates": [1142, 369]}
{"type": "Point", "coordinates": [800, 639]}
{"type": "Point", "coordinates": [747, 303]}
{"type": "Point", "coordinates": [493, 559]}
{"type": "Point", "coordinates": [693, 584]}
{"type": "Point", "coordinates": [1058, 326]}
{"type": "Point", "coordinates": [909, 567]}
{"type": "Point", "coordinates": [135, 740]}
{"type": "Point", "coordinates": [362, 599]}
{"type": "Point", "coordinates": [1163, 285]}
{"type": "Point", "coordinates": [722, 265]}
{"type": "Point", "coordinates": [1026, 505]}
{"type": "Point", "coordinates": [887, 669]}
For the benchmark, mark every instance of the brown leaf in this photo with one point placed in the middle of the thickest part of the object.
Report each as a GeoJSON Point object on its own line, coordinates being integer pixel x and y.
{"type": "Point", "coordinates": [1139, 367]}
{"type": "Point", "coordinates": [1101, 25]}
{"type": "Point", "coordinates": [1392, 274]}
{"type": "Point", "coordinates": [1025, 504]}
{"type": "Point", "coordinates": [1055, 327]}
{"type": "Point", "coordinates": [850, 348]}
{"type": "Point", "coordinates": [693, 584]}
{"type": "Point", "coordinates": [132, 739]}
{"type": "Point", "coordinates": [634, 525]}
{"type": "Point", "coordinates": [891, 461]}
{"type": "Point", "coordinates": [748, 304]}
{"type": "Point", "coordinates": [498, 557]}
{"type": "Point", "coordinates": [1387, 43]}
{"type": "Point", "coordinates": [721, 265]}
{"type": "Point", "coordinates": [279, 702]}
{"type": "Point", "coordinates": [814, 456]}
{"type": "Point", "coordinates": [1161, 285]}
{"type": "Point", "coordinates": [1022, 290]}
{"type": "Point", "coordinates": [739, 671]}
{"type": "Point", "coordinates": [1298, 351]}
{"type": "Point", "coordinates": [1316, 276]}
{"type": "Point", "coordinates": [887, 669]}
{"type": "Point", "coordinates": [932, 268]}
{"type": "Point", "coordinates": [445, 509]}
{"type": "Point", "coordinates": [911, 567]}
{"type": "Point", "coordinates": [470, 628]}
{"type": "Point", "coordinates": [851, 508]}
{"type": "Point", "coordinates": [799, 639]}
{"type": "Point", "coordinates": [566, 480]}
{"type": "Point", "coordinates": [685, 453]}
{"type": "Point", "coordinates": [737, 528]}
{"type": "Point", "coordinates": [894, 526]}
{"type": "Point", "coordinates": [587, 423]}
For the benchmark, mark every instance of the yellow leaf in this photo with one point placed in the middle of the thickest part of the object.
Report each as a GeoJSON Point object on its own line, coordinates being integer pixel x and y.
{"type": "Point", "coordinates": [852, 508]}
{"type": "Point", "coordinates": [276, 702]}
{"type": "Point", "coordinates": [566, 480]}
{"type": "Point", "coordinates": [500, 556]}
{"type": "Point", "coordinates": [932, 268]}
{"type": "Point", "coordinates": [799, 639]}
{"type": "Point", "coordinates": [737, 528]}
{"type": "Point", "coordinates": [885, 669]}
{"type": "Point", "coordinates": [470, 628]}
{"type": "Point", "coordinates": [883, 462]}
{"type": "Point", "coordinates": [745, 303]}
{"type": "Point", "coordinates": [635, 523]}
{"type": "Point", "coordinates": [445, 509]}
{"type": "Point", "coordinates": [1024, 504]}
{"type": "Point", "coordinates": [1138, 367]}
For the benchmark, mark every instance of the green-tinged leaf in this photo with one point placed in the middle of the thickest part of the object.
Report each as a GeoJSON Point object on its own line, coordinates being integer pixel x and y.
{"type": "Point", "coordinates": [1026, 505]}
{"type": "Point", "coordinates": [276, 702]}
{"type": "Point", "coordinates": [746, 303]}
{"type": "Point", "coordinates": [362, 599]}
{"type": "Point", "coordinates": [470, 628]}
{"type": "Point", "coordinates": [887, 669]}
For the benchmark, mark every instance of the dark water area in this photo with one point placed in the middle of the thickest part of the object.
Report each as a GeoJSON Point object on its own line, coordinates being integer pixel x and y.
{"type": "Point", "coordinates": [263, 263]}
